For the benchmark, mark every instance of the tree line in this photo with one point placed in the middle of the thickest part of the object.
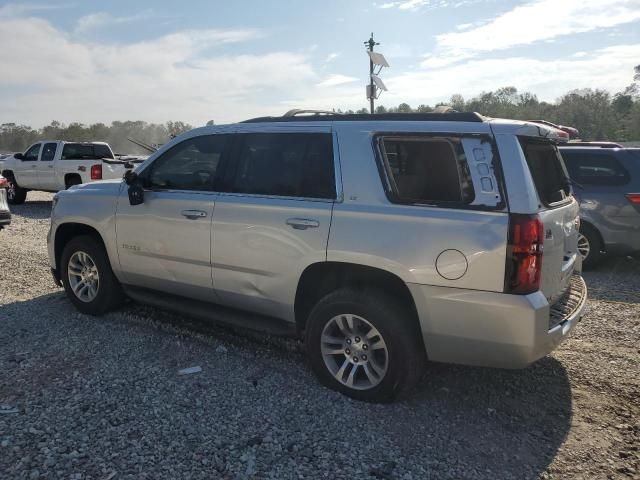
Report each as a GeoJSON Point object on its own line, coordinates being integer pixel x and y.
{"type": "Point", "coordinates": [597, 114]}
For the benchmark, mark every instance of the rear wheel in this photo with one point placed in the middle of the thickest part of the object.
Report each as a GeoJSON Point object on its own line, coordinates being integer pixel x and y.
{"type": "Point", "coordinates": [589, 246]}
{"type": "Point", "coordinates": [15, 194]}
{"type": "Point", "coordinates": [87, 276]}
{"type": "Point", "coordinates": [72, 180]}
{"type": "Point", "coordinates": [365, 345]}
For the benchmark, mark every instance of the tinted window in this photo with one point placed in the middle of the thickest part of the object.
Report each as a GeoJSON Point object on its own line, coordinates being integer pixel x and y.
{"type": "Point", "coordinates": [102, 151]}
{"type": "Point", "coordinates": [595, 168]}
{"type": "Point", "coordinates": [547, 170]}
{"type": "Point", "coordinates": [83, 151]}
{"type": "Point", "coordinates": [431, 170]}
{"type": "Point", "coordinates": [190, 165]}
{"type": "Point", "coordinates": [285, 164]}
{"type": "Point", "coordinates": [48, 152]}
{"type": "Point", "coordinates": [32, 153]}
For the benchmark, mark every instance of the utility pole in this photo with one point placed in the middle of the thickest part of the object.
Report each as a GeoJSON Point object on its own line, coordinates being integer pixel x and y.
{"type": "Point", "coordinates": [372, 88]}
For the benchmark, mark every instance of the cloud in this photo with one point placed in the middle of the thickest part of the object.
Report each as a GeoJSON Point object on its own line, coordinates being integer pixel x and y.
{"type": "Point", "coordinates": [178, 76]}
{"type": "Point", "coordinates": [20, 9]}
{"type": "Point", "coordinates": [415, 5]}
{"type": "Point", "coordinates": [534, 21]}
{"type": "Point", "coordinates": [331, 57]}
{"type": "Point", "coordinates": [336, 79]}
{"type": "Point", "coordinates": [99, 20]}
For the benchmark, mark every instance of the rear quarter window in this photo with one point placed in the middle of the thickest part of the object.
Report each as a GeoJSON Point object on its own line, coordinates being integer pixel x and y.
{"type": "Point", "coordinates": [595, 168]}
{"type": "Point", "coordinates": [547, 169]}
{"type": "Point", "coordinates": [426, 170]}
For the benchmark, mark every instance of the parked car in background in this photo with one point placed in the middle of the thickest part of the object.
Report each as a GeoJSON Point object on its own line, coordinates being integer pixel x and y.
{"type": "Point", "coordinates": [607, 184]}
{"type": "Point", "coordinates": [382, 240]}
{"type": "Point", "coordinates": [57, 165]}
{"type": "Point", "coordinates": [5, 214]}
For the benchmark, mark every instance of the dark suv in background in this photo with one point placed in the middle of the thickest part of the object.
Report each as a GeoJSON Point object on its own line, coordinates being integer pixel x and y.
{"type": "Point", "coordinates": [607, 184]}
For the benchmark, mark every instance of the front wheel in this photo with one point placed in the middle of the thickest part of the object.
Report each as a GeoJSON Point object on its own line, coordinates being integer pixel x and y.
{"type": "Point", "coordinates": [87, 276]}
{"type": "Point", "coordinates": [365, 345]}
{"type": "Point", "coordinates": [15, 195]}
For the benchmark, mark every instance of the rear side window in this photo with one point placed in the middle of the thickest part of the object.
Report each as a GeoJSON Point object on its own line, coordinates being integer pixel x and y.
{"type": "Point", "coordinates": [85, 151]}
{"type": "Point", "coordinates": [595, 168]}
{"type": "Point", "coordinates": [189, 165]}
{"type": "Point", "coordinates": [285, 165]}
{"type": "Point", "coordinates": [426, 170]}
{"type": "Point", "coordinates": [547, 170]}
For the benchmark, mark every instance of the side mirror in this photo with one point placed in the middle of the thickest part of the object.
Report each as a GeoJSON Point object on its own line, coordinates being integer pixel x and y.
{"type": "Point", "coordinates": [18, 156]}
{"type": "Point", "coordinates": [135, 190]}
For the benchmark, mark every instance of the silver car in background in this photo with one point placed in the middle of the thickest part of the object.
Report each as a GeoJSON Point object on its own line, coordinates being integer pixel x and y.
{"type": "Point", "coordinates": [382, 241]}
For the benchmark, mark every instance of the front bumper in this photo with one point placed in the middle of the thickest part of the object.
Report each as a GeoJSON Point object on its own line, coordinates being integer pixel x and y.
{"type": "Point", "coordinates": [494, 329]}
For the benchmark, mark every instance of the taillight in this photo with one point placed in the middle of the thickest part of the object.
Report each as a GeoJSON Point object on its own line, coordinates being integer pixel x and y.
{"type": "Point", "coordinates": [96, 172]}
{"type": "Point", "coordinates": [524, 254]}
{"type": "Point", "coordinates": [633, 198]}
{"type": "Point", "coordinates": [4, 183]}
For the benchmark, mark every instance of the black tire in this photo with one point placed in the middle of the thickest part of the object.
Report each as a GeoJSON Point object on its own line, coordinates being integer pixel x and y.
{"type": "Point", "coordinates": [109, 292]}
{"type": "Point", "coordinates": [596, 247]}
{"type": "Point", "coordinates": [72, 180]}
{"type": "Point", "coordinates": [398, 329]}
{"type": "Point", "coordinates": [15, 195]}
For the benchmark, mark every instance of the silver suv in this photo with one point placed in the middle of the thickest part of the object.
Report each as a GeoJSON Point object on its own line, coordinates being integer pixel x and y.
{"type": "Point", "coordinates": [381, 240]}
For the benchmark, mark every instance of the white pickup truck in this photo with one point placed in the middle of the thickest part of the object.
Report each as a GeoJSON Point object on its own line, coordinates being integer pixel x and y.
{"type": "Point", "coordinates": [56, 165]}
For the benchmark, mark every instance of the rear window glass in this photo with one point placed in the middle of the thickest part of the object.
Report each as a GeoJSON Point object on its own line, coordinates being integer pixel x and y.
{"type": "Point", "coordinates": [547, 170]}
{"type": "Point", "coordinates": [595, 168]}
{"type": "Point", "coordinates": [427, 170]}
{"type": "Point", "coordinates": [85, 151]}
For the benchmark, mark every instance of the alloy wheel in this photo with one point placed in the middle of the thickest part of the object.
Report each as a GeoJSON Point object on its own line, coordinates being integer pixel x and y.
{"type": "Point", "coordinates": [84, 278]}
{"type": "Point", "coordinates": [584, 247]}
{"type": "Point", "coordinates": [354, 351]}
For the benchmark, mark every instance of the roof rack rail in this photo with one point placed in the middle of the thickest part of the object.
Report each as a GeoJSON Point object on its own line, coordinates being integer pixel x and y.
{"type": "Point", "coordinates": [592, 144]}
{"type": "Point", "coordinates": [297, 111]}
{"type": "Point", "coordinates": [366, 117]}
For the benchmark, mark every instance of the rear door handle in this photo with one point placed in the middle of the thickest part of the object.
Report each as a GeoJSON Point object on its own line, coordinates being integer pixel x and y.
{"type": "Point", "coordinates": [194, 214]}
{"type": "Point", "coordinates": [302, 223]}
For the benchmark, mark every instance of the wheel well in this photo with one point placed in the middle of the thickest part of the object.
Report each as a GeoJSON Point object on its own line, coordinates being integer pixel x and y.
{"type": "Point", "coordinates": [70, 176]}
{"type": "Point", "coordinates": [7, 173]}
{"type": "Point", "coordinates": [596, 231]}
{"type": "Point", "coordinates": [320, 279]}
{"type": "Point", "coordinates": [66, 232]}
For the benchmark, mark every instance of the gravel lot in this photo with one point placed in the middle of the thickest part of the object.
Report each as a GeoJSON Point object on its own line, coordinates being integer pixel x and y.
{"type": "Point", "coordinates": [101, 398]}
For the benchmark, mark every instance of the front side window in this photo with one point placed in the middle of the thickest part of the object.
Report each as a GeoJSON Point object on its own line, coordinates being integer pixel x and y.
{"type": "Point", "coordinates": [426, 170]}
{"type": "Point", "coordinates": [33, 152]}
{"type": "Point", "coordinates": [285, 164]}
{"type": "Point", "coordinates": [591, 168]}
{"type": "Point", "coordinates": [189, 165]}
{"type": "Point", "coordinates": [48, 152]}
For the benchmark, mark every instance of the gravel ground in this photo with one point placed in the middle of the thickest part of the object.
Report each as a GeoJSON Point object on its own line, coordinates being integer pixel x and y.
{"type": "Point", "coordinates": [101, 398]}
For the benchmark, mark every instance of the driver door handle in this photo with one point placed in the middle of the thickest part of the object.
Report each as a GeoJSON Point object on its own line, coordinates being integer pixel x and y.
{"type": "Point", "coordinates": [302, 223]}
{"type": "Point", "coordinates": [193, 214]}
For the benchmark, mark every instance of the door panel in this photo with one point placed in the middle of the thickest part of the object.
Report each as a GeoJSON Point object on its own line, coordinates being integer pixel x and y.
{"type": "Point", "coordinates": [164, 245]}
{"type": "Point", "coordinates": [27, 173]}
{"type": "Point", "coordinates": [273, 219]}
{"type": "Point", "coordinates": [46, 175]}
{"type": "Point", "coordinates": [165, 242]}
{"type": "Point", "coordinates": [261, 246]}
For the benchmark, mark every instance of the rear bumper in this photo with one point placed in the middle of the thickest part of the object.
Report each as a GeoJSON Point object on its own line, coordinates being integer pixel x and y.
{"type": "Point", "coordinates": [494, 329]}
